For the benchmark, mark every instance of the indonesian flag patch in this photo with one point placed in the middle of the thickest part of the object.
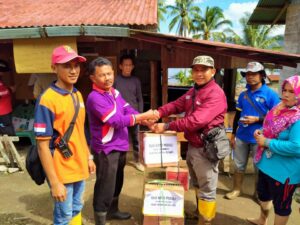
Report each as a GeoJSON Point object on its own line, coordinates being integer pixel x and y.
{"type": "Point", "coordinates": [40, 127]}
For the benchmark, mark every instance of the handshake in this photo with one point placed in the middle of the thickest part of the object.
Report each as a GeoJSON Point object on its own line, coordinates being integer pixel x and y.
{"type": "Point", "coordinates": [149, 119]}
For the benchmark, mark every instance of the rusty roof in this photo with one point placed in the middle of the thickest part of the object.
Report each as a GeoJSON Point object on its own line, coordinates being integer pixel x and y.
{"type": "Point", "coordinates": [38, 13]}
{"type": "Point", "coordinates": [220, 48]}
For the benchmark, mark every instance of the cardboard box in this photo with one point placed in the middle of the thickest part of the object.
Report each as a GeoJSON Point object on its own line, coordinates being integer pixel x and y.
{"type": "Point", "coordinates": [156, 220]}
{"type": "Point", "coordinates": [163, 199]}
{"type": "Point", "coordinates": [159, 150]}
{"type": "Point", "coordinates": [178, 174]}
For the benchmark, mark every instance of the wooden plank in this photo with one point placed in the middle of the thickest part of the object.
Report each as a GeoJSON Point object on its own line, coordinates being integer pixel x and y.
{"type": "Point", "coordinates": [164, 65]}
{"type": "Point", "coordinates": [12, 151]}
{"type": "Point", "coordinates": [5, 143]}
{"type": "Point", "coordinates": [4, 155]}
{"type": "Point", "coordinates": [154, 91]}
{"type": "Point", "coordinates": [16, 156]}
{"type": "Point", "coordinates": [12, 138]}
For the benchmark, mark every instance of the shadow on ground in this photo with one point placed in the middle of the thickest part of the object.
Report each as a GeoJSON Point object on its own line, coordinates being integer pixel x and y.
{"type": "Point", "coordinates": [33, 204]}
{"type": "Point", "coordinates": [16, 219]}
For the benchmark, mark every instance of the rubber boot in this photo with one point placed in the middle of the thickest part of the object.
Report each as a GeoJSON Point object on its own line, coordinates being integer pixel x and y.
{"type": "Point", "coordinates": [76, 220]}
{"type": "Point", "coordinates": [100, 218]}
{"type": "Point", "coordinates": [114, 213]}
{"type": "Point", "coordinates": [237, 186]}
{"type": "Point", "coordinates": [207, 212]}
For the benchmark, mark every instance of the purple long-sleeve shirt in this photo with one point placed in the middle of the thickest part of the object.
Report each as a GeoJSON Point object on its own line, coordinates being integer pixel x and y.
{"type": "Point", "coordinates": [109, 116]}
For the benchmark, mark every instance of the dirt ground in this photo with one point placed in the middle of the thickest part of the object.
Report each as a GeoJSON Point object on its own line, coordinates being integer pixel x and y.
{"type": "Point", "coordinates": [24, 203]}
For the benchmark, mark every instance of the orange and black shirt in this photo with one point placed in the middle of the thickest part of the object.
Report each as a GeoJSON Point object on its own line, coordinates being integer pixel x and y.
{"type": "Point", "coordinates": [53, 113]}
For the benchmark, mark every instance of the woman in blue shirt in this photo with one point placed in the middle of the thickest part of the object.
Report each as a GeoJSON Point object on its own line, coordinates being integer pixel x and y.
{"type": "Point", "coordinates": [278, 155]}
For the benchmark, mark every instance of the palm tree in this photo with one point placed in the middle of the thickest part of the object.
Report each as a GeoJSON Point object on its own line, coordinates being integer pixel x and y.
{"type": "Point", "coordinates": [184, 77]}
{"type": "Point", "coordinates": [207, 25]}
{"type": "Point", "coordinates": [161, 11]}
{"type": "Point", "coordinates": [258, 36]}
{"type": "Point", "coordinates": [183, 14]}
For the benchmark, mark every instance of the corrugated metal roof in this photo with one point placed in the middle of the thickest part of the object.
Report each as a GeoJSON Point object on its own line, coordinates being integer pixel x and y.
{"type": "Point", "coordinates": [269, 12]}
{"type": "Point", "coordinates": [34, 13]}
{"type": "Point", "coordinates": [220, 48]}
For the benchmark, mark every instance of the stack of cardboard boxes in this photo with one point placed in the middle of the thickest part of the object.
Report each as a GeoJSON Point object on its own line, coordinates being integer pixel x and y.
{"type": "Point", "coordinates": [163, 203]}
{"type": "Point", "coordinates": [163, 199]}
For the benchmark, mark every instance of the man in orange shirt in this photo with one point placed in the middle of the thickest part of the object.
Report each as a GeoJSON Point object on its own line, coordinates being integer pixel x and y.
{"type": "Point", "coordinates": [54, 111]}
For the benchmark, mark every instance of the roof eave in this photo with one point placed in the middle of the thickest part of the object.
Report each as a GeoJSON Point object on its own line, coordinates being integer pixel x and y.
{"type": "Point", "coordinates": [59, 31]}
{"type": "Point", "coordinates": [278, 18]}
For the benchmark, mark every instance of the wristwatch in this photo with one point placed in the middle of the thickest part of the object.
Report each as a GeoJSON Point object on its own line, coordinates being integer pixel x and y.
{"type": "Point", "coordinates": [166, 126]}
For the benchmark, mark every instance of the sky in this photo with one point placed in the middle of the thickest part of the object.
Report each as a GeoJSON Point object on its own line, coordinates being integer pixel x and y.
{"type": "Point", "coordinates": [233, 10]}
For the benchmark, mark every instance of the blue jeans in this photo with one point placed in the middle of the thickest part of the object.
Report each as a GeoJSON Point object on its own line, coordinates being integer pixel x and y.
{"type": "Point", "coordinates": [241, 154]}
{"type": "Point", "coordinates": [65, 211]}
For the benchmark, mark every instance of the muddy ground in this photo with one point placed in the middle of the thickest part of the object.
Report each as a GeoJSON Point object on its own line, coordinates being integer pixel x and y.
{"type": "Point", "coordinates": [24, 203]}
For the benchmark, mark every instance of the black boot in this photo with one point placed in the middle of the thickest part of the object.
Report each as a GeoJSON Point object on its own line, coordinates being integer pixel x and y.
{"type": "Point", "coordinates": [114, 213]}
{"type": "Point", "coordinates": [100, 218]}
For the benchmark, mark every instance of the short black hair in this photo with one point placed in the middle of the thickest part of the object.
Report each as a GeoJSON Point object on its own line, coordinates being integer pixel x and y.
{"type": "Point", "coordinates": [263, 76]}
{"type": "Point", "coordinates": [126, 56]}
{"type": "Point", "coordinates": [100, 61]}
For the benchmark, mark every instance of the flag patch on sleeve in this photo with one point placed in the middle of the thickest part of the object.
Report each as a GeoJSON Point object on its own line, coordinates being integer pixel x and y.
{"type": "Point", "coordinates": [40, 127]}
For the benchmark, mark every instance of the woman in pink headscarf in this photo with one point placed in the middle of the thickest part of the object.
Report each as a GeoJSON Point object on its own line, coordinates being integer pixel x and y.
{"type": "Point", "coordinates": [278, 158]}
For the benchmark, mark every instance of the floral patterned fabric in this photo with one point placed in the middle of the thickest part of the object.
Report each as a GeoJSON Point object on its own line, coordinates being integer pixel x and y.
{"type": "Point", "coordinates": [280, 117]}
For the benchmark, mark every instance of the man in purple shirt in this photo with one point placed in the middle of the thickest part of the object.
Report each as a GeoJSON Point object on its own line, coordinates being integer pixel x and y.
{"type": "Point", "coordinates": [109, 117]}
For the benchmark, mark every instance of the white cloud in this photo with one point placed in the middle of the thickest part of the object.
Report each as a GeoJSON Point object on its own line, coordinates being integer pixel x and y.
{"type": "Point", "coordinates": [236, 11]}
{"type": "Point", "coordinates": [278, 30]}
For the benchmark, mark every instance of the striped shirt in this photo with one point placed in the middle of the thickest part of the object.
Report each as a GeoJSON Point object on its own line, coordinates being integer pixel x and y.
{"type": "Point", "coordinates": [109, 116]}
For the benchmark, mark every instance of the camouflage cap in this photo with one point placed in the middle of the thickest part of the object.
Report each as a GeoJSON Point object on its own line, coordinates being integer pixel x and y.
{"type": "Point", "coordinates": [203, 60]}
{"type": "Point", "coordinates": [253, 67]}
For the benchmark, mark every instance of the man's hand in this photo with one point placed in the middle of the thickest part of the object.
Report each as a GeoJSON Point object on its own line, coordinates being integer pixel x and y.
{"type": "Point", "coordinates": [156, 113]}
{"type": "Point", "coordinates": [148, 123]}
{"type": "Point", "coordinates": [159, 128]}
{"type": "Point", "coordinates": [250, 119]}
{"type": "Point", "coordinates": [92, 166]}
{"type": "Point", "coordinates": [149, 115]}
{"type": "Point", "coordinates": [59, 192]}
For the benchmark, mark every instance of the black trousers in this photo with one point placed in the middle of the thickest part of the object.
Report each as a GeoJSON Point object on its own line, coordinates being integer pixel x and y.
{"type": "Point", "coordinates": [6, 126]}
{"type": "Point", "coordinates": [134, 136]}
{"type": "Point", "coordinates": [109, 180]}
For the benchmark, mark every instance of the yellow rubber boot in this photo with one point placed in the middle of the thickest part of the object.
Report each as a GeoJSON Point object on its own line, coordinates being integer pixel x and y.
{"type": "Point", "coordinates": [207, 211]}
{"type": "Point", "coordinates": [76, 220]}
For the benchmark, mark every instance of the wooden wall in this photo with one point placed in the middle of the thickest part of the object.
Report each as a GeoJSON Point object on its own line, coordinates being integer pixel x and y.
{"type": "Point", "coordinates": [158, 58]}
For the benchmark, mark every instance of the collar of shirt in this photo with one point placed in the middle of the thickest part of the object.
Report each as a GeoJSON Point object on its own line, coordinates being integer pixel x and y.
{"type": "Point", "coordinates": [61, 91]}
{"type": "Point", "coordinates": [263, 86]}
{"type": "Point", "coordinates": [101, 91]}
